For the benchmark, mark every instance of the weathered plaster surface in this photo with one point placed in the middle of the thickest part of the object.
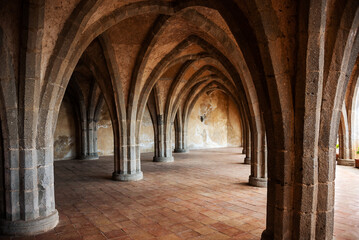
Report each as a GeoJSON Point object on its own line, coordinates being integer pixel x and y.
{"type": "Point", "coordinates": [65, 143]}
{"type": "Point", "coordinates": [105, 133]}
{"type": "Point", "coordinates": [221, 126]}
{"type": "Point", "coordinates": [65, 134]}
{"type": "Point", "coordinates": [234, 131]}
{"type": "Point", "coordinates": [146, 133]}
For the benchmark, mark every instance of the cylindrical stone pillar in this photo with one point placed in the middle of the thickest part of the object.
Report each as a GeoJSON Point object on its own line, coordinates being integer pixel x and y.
{"type": "Point", "coordinates": [162, 153]}
{"type": "Point", "coordinates": [29, 192]}
{"type": "Point", "coordinates": [258, 177]}
{"type": "Point", "coordinates": [127, 158]}
{"type": "Point", "coordinates": [91, 129]}
{"type": "Point", "coordinates": [84, 144]}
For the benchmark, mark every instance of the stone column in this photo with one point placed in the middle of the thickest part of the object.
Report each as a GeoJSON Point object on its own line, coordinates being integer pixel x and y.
{"type": "Point", "coordinates": [84, 140]}
{"type": "Point", "coordinates": [244, 138]}
{"type": "Point", "coordinates": [345, 157]}
{"type": "Point", "coordinates": [29, 192]}
{"type": "Point", "coordinates": [28, 188]}
{"type": "Point", "coordinates": [95, 150]}
{"type": "Point", "coordinates": [258, 177]}
{"type": "Point", "coordinates": [127, 157]}
{"type": "Point", "coordinates": [344, 153]}
{"type": "Point", "coordinates": [163, 151]}
{"type": "Point", "coordinates": [247, 159]}
{"type": "Point", "coordinates": [179, 145]}
{"type": "Point", "coordinates": [92, 140]}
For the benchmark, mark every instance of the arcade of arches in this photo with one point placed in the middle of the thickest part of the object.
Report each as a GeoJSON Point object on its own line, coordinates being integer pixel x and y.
{"type": "Point", "coordinates": [83, 78]}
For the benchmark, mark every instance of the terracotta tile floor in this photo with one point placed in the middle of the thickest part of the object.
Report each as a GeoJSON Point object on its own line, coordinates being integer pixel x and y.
{"type": "Point", "coordinates": [202, 195]}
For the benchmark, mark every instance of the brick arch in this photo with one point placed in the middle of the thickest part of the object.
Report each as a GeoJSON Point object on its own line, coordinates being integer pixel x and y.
{"type": "Point", "coordinates": [76, 41]}
{"type": "Point", "coordinates": [258, 169]}
{"type": "Point", "coordinates": [210, 28]}
{"type": "Point", "coordinates": [258, 150]}
{"type": "Point", "coordinates": [252, 55]}
{"type": "Point", "coordinates": [160, 68]}
{"type": "Point", "coordinates": [108, 21]}
{"type": "Point", "coordinates": [162, 64]}
{"type": "Point", "coordinates": [246, 118]}
{"type": "Point", "coordinates": [73, 41]}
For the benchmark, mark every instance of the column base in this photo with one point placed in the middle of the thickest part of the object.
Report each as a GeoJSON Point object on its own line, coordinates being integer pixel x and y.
{"type": "Point", "coordinates": [247, 160]}
{"type": "Point", "coordinates": [30, 227]}
{"type": "Point", "coordinates": [257, 182]}
{"type": "Point", "coordinates": [90, 157]}
{"type": "Point", "coordinates": [127, 177]}
{"type": "Point", "coordinates": [163, 159]}
{"type": "Point", "coordinates": [346, 162]}
{"type": "Point", "coordinates": [180, 150]}
{"type": "Point", "coordinates": [266, 235]}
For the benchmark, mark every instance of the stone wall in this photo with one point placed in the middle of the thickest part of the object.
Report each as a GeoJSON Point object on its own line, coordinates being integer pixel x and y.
{"type": "Point", "coordinates": [220, 123]}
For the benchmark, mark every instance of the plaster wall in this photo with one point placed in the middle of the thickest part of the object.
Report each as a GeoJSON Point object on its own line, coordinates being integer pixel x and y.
{"type": "Point", "coordinates": [220, 126]}
{"type": "Point", "coordinates": [105, 133]}
{"type": "Point", "coordinates": [146, 133]}
{"type": "Point", "coordinates": [65, 143]}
